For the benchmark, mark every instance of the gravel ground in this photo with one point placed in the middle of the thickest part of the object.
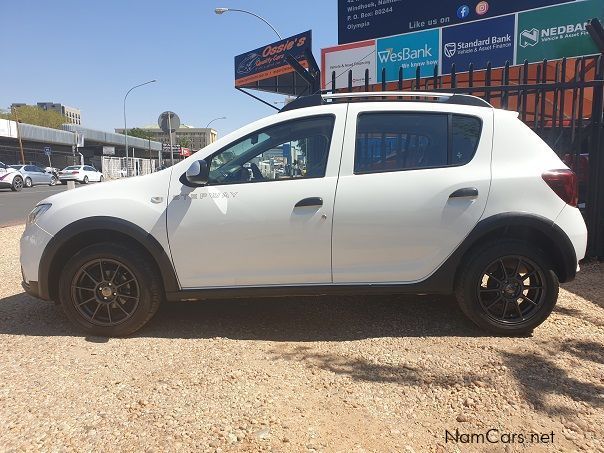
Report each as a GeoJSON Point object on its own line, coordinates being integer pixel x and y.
{"type": "Point", "coordinates": [304, 374]}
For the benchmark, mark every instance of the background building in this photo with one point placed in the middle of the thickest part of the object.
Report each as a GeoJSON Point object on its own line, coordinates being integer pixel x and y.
{"type": "Point", "coordinates": [73, 115]}
{"type": "Point", "coordinates": [190, 137]}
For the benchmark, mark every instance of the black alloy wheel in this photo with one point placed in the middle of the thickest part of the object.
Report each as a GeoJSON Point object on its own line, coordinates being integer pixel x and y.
{"type": "Point", "coordinates": [110, 289]}
{"type": "Point", "coordinates": [105, 292]}
{"type": "Point", "coordinates": [507, 287]}
{"type": "Point", "coordinates": [511, 290]}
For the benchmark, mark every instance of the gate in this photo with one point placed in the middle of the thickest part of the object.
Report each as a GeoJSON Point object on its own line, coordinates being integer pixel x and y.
{"type": "Point", "coordinates": [561, 101]}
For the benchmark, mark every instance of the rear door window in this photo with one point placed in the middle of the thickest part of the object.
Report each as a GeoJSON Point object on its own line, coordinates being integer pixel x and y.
{"type": "Point", "coordinates": [393, 141]}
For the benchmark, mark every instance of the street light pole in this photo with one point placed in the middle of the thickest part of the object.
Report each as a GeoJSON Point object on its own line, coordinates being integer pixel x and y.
{"type": "Point", "coordinates": [208, 137]}
{"type": "Point", "coordinates": [215, 119]}
{"type": "Point", "coordinates": [125, 124]}
{"type": "Point", "coordinates": [224, 10]}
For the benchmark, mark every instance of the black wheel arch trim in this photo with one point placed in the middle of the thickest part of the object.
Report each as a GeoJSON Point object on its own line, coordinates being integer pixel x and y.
{"type": "Point", "coordinates": [136, 233]}
{"type": "Point", "coordinates": [567, 268]}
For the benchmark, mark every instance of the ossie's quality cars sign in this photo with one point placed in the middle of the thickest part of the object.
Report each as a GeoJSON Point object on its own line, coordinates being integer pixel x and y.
{"type": "Point", "coordinates": [269, 61]}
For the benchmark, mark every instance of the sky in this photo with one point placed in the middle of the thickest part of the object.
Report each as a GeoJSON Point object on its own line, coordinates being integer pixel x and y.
{"type": "Point", "coordinates": [88, 53]}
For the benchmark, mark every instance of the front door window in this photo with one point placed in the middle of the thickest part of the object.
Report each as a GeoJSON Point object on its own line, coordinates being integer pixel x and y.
{"type": "Point", "coordinates": [290, 150]}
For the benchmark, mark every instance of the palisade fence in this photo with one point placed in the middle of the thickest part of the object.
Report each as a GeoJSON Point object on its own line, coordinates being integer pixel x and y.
{"type": "Point", "coordinates": [120, 167]}
{"type": "Point", "coordinates": [562, 101]}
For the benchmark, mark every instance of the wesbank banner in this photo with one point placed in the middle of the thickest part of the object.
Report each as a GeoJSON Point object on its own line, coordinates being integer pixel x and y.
{"type": "Point", "coordinates": [408, 51]}
{"type": "Point", "coordinates": [478, 43]}
{"type": "Point", "coordinates": [269, 61]}
{"type": "Point", "coordinates": [557, 32]}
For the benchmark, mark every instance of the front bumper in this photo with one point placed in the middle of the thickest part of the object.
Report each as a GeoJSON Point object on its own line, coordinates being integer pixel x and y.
{"type": "Point", "coordinates": [33, 242]}
{"type": "Point", "coordinates": [31, 288]}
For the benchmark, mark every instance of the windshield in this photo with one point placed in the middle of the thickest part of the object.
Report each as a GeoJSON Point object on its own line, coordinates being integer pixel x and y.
{"type": "Point", "coordinates": [73, 167]}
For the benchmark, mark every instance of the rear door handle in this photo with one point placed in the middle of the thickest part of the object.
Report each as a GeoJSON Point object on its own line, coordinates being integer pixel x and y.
{"type": "Point", "coordinates": [466, 192]}
{"type": "Point", "coordinates": [312, 201]}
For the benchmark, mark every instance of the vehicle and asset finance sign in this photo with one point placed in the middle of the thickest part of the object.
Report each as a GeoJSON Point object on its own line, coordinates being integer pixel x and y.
{"type": "Point", "coordinates": [269, 61]}
{"type": "Point", "coordinates": [359, 20]}
{"type": "Point", "coordinates": [547, 32]}
{"type": "Point", "coordinates": [478, 43]}
{"type": "Point", "coordinates": [559, 32]}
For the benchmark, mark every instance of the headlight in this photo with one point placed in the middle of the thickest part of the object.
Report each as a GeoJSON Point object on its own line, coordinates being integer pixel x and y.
{"type": "Point", "coordinates": [37, 212]}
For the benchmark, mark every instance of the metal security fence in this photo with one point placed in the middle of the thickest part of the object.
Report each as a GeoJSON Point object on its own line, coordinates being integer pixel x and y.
{"type": "Point", "coordinates": [561, 101]}
{"type": "Point", "coordinates": [121, 167]}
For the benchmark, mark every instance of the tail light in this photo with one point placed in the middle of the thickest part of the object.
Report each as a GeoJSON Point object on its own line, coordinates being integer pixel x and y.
{"type": "Point", "coordinates": [564, 183]}
{"type": "Point", "coordinates": [74, 172]}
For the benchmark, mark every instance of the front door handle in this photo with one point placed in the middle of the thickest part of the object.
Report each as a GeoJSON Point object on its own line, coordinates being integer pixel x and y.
{"type": "Point", "coordinates": [466, 192]}
{"type": "Point", "coordinates": [312, 201]}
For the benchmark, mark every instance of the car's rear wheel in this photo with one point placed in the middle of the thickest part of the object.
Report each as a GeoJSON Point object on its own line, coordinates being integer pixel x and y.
{"type": "Point", "coordinates": [507, 287]}
{"type": "Point", "coordinates": [53, 180]}
{"type": "Point", "coordinates": [85, 180]}
{"type": "Point", "coordinates": [110, 289]}
{"type": "Point", "coordinates": [28, 182]}
{"type": "Point", "coordinates": [17, 184]}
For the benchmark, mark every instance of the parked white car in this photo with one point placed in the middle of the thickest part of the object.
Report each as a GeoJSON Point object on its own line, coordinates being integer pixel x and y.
{"type": "Point", "coordinates": [10, 178]}
{"type": "Point", "coordinates": [80, 173]}
{"type": "Point", "coordinates": [445, 195]}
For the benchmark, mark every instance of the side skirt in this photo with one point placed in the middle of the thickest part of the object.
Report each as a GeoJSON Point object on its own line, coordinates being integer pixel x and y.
{"type": "Point", "coordinates": [307, 290]}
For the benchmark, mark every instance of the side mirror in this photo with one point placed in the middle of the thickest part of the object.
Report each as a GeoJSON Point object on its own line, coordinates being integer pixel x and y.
{"type": "Point", "coordinates": [198, 173]}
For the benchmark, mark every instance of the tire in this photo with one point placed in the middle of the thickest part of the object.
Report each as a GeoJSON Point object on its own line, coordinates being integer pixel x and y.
{"type": "Point", "coordinates": [111, 316]}
{"type": "Point", "coordinates": [53, 181]}
{"type": "Point", "coordinates": [102, 178]}
{"type": "Point", "coordinates": [507, 287]}
{"type": "Point", "coordinates": [17, 184]}
{"type": "Point", "coordinates": [28, 182]}
{"type": "Point", "coordinates": [85, 180]}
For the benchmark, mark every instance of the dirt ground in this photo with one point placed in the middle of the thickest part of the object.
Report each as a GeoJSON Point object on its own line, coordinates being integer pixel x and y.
{"type": "Point", "coordinates": [302, 374]}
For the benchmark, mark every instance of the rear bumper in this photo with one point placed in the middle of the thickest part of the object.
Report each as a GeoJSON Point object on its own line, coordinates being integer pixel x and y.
{"type": "Point", "coordinates": [572, 223]}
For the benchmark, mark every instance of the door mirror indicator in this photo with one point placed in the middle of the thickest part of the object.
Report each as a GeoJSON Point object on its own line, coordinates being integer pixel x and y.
{"type": "Point", "coordinates": [198, 173]}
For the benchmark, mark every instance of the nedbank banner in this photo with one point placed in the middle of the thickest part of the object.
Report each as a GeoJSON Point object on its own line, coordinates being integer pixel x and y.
{"type": "Point", "coordinates": [558, 32]}
{"type": "Point", "coordinates": [551, 32]}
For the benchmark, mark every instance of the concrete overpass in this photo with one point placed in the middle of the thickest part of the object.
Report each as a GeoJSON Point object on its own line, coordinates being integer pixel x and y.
{"type": "Point", "coordinates": [64, 144]}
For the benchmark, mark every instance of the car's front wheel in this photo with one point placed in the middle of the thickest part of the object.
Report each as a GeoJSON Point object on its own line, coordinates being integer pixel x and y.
{"type": "Point", "coordinates": [507, 287]}
{"type": "Point", "coordinates": [17, 184]}
{"type": "Point", "coordinates": [110, 290]}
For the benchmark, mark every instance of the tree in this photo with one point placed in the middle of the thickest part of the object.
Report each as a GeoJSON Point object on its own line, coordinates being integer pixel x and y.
{"type": "Point", "coordinates": [184, 142]}
{"type": "Point", "coordinates": [140, 133]}
{"type": "Point", "coordinates": [30, 114]}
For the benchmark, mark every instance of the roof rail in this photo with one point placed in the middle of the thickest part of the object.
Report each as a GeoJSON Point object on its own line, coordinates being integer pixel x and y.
{"type": "Point", "coordinates": [373, 96]}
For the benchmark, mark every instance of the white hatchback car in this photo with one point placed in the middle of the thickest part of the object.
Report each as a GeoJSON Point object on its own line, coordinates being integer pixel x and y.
{"type": "Point", "coordinates": [444, 195]}
{"type": "Point", "coordinates": [80, 173]}
{"type": "Point", "coordinates": [10, 178]}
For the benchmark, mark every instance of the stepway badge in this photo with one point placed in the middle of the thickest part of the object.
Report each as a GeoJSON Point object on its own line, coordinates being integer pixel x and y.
{"type": "Point", "coordinates": [479, 43]}
{"type": "Point", "coordinates": [409, 51]}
